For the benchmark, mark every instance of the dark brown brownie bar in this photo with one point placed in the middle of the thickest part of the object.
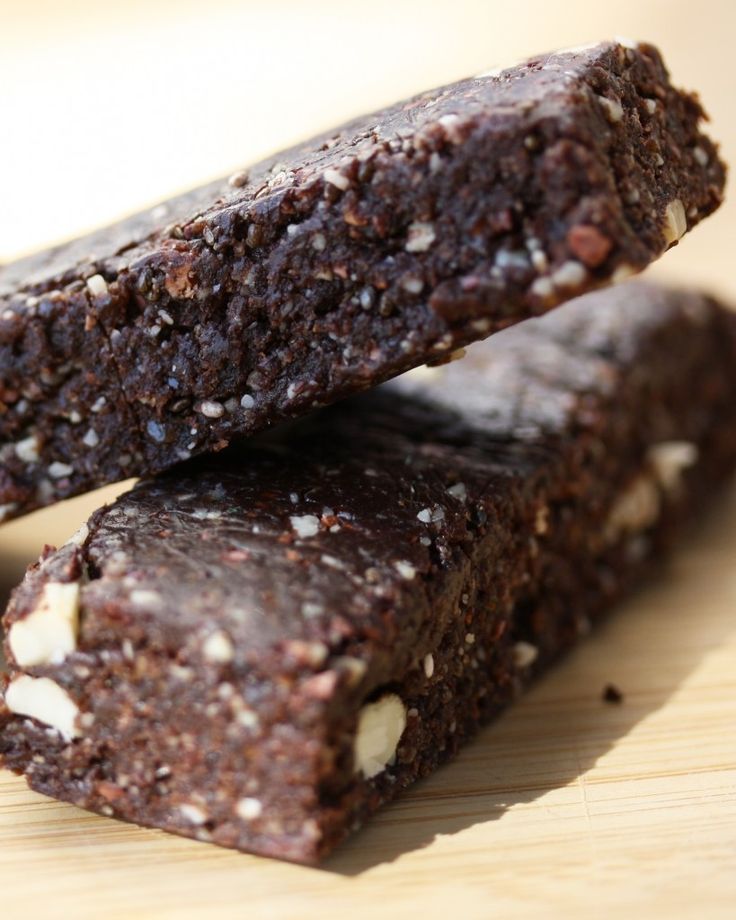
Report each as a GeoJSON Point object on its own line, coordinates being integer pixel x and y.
{"type": "Point", "coordinates": [340, 263]}
{"type": "Point", "coordinates": [262, 647]}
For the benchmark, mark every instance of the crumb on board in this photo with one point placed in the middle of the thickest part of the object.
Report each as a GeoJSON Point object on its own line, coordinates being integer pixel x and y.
{"type": "Point", "coordinates": [612, 694]}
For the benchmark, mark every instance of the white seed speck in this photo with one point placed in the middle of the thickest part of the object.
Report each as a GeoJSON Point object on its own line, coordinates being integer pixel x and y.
{"type": "Point", "coordinates": [156, 431]}
{"type": "Point", "coordinates": [238, 179]}
{"type": "Point", "coordinates": [248, 719]}
{"type": "Point", "coordinates": [193, 813]}
{"type": "Point", "coordinates": [420, 236]}
{"type": "Point", "coordinates": [166, 317]}
{"type": "Point", "coordinates": [670, 460]}
{"type": "Point", "coordinates": [428, 666]}
{"type": "Point", "coordinates": [332, 561]}
{"type": "Point", "coordinates": [470, 638]}
{"type": "Point", "coordinates": [508, 259]}
{"type": "Point", "coordinates": [367, 297]}
{"type": "Point", "coordinates": [178, 672]}
{"type": "Point", "coordinates": [650, 105]}
{"type": "Point", "coordinates": [305, 525]}
{"type": "Point", "coordinates": [431, 515]}
{"type": "Point", "coordinates": [525, 654]}
{"type": "Point", "coordinates": [541, 520]}
{"type": "Point", "coordinates": [211, 408]}
{"type": "Point", "coordinates": [701, 157]}
{"type": "Point", "coordinates": [58, 470]}
{"type": "Point", "coordinates": [91, 439]}
{"type": "Point", "coordinates": [539, 260]}
{"type": "Point", "coordinates": [310, 609]}
{"type": "Point", "coordinates": [612, 109]}
{"type": "Point", "coordinates": [97, 286]}
{"type": "Point", "coordinates": [569, 275]}
{"type": "Point", "coordinates": [98, 404]}
{"type": "Point", "coordinates": [247, 401]}
{"type": "Point", "coordinates": [542, 287]}
{"type": "Point", "coordinates": [412, 284]}
{"type": "Point", "coordinates": [225, 691]}
{"type": "Point", "coordinates": [405, 569]}
{"type": "Point", "coordinates": [145, 597]}
{"type": "Point", "coordinates": [336, 178]}
{"type": "Point", "coordinates": [450, 123]}
{"type": "Point", "coordinates": [248, 808]}
{"type": "Point", "coordinates": [218, 648]}
{"type": "Point", "coordinates": [27, 449]}
{"type": "Point", "coordinates": [458, 491]}
{"type": "Point", "coordinates": [319, 242]}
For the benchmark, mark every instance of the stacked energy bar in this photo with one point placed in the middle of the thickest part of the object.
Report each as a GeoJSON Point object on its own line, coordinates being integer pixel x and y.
{"type": "Point", "coordinates": [260, 646]}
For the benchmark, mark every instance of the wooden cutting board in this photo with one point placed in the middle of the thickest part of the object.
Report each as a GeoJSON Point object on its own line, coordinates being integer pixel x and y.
{"type": "Point", "coordinates": [566, 807]}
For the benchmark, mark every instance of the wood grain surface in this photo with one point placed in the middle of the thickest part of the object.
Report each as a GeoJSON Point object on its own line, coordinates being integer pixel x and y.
{"type": "Point", "coordinates": [567, 806]}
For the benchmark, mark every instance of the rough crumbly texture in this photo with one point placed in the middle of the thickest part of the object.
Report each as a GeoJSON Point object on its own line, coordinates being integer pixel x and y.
{"type": "Point", "coordinates": [343, 262]}
{"type": "Point", "coordinates": [273, 642]}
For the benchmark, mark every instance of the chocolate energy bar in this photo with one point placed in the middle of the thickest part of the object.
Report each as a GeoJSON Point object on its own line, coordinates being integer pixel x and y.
{"type": "Point", "coordinates": [333, 266]}
{"type": "Point", "coordinates": [262, 647]}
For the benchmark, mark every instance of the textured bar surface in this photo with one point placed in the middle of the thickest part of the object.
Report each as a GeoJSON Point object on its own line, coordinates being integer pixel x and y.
{"type": "Point", "coordinates": [273, 642]}
{"type": "Point", "coordinates": [340, 263]}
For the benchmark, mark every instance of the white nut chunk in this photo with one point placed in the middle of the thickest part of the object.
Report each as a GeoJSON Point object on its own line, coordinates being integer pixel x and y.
{"type": "Point", "coordinates": [420, 236]}
{"type": "Point", "coordinates": [380, 727]}
{"type": "Point", "coordinates": [635, 509]}
{"type": "Point", "coordinates": [49, 632]}
{"type": "Point", "coordinates": [305, 525]}
{"type": "Point", "coordinates": [42, 699]}
{"type": "Point", "coordinates": [669, 460]}
{"type": "Point", "coordinates": [27, 449]}
{"type": "Point", "coordinates": [612, 109]}
{"type": "Point", "coordinates": [97, 286]}
{"type": "Point", "coordinates": [675, 221]}
{"type": "Point", "coordinates": [525, 654]}
{"type": "Point", "coordinates": [218, 648]}
{"type": "Point", "coordinates": [248, 808]}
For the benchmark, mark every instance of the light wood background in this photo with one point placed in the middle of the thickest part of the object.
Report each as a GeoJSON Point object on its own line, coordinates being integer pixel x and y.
{"type": "Point", "coordinates": [566, 807]}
